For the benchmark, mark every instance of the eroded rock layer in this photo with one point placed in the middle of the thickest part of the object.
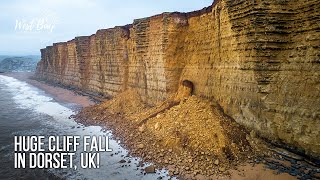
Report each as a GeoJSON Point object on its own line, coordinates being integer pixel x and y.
{"type": "Point", "coordinates": [259, 59]}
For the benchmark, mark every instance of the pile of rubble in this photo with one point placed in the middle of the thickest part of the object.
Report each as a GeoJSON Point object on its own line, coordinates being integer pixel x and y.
{"type": "Point", "coordinates": [189, 137]}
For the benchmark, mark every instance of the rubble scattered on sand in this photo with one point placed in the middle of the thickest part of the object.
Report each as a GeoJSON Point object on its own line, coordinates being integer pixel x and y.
{"type": "Point", "coordinates": [150, 169]}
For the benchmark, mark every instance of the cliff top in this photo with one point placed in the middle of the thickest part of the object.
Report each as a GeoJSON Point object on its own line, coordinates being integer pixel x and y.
{"type": "Point", "coordinates": [157, 16]}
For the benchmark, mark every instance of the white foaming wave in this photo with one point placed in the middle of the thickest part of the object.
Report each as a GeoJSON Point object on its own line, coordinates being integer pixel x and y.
{"type": "Point", "coordinates": [29, 97]}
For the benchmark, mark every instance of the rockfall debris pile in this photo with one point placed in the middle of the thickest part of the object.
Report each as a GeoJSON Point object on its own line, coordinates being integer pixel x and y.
{"type": "Point", "coordinates": [189, 137]}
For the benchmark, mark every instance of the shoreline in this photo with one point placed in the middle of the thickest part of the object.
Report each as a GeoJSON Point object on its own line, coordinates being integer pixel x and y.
{"type": "Point", "coordinates": [246, 170]}
{"type": "Point", "coordinates": [60, 94]}
{"type": "Point", "coordinates": [29, 110]}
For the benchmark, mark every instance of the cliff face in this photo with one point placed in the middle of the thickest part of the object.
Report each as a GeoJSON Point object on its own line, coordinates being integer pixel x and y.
{"type": "Point", "coordinates": [260, 60]}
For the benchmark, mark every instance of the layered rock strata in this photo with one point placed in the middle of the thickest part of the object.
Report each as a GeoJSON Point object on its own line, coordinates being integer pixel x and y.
{"type": "Point", "coordinates": [259, 59]}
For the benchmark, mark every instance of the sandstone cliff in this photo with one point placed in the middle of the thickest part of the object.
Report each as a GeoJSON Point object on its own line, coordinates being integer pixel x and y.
{"type": "Point", "coordinates": [259, 59]}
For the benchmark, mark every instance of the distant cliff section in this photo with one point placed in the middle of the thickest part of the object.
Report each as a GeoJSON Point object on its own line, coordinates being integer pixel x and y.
{"type": "Point", "coordinates": [18, 64]}
{"type": "Point", "coordinates": [259, 59]}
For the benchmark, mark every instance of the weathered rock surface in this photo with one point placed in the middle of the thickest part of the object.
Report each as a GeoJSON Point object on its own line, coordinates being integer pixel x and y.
{"type": "Point", "coordinates": [259, 59]}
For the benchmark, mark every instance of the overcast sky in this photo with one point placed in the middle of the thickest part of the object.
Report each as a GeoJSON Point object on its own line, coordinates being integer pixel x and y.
{"type": "Point", "coordinates": [26, 26]}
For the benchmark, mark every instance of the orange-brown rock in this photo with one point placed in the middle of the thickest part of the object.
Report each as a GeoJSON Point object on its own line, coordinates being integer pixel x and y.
{"type": "Point", "coordinates": [259, 59]}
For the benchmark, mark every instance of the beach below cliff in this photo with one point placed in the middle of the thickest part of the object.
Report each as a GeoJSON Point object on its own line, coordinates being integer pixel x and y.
{"type": "Point", "coordinates": [150, 139]}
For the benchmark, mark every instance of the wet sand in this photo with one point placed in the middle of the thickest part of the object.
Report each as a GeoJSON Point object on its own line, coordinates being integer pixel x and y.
{"type": "Point", "coordinates": [245, 171]}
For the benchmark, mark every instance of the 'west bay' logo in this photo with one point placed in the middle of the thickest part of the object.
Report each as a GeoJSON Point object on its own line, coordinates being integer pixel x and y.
{"type": "Point", "coordinates": [45, 23]}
